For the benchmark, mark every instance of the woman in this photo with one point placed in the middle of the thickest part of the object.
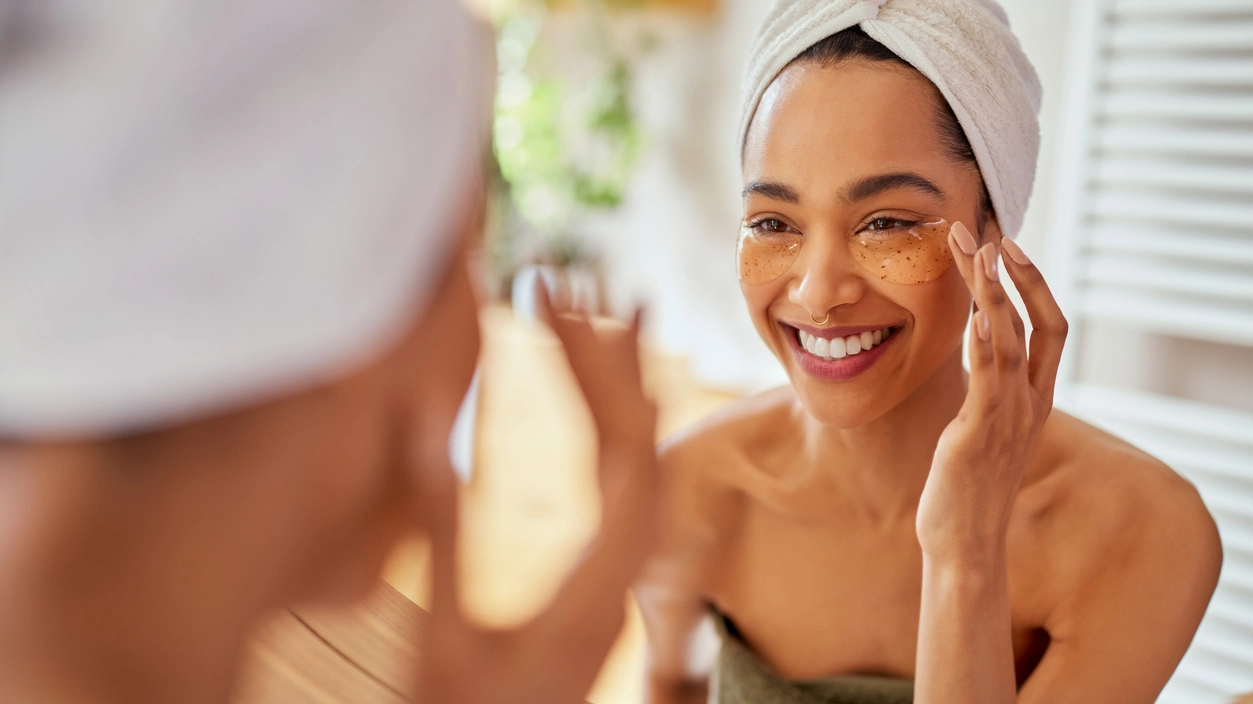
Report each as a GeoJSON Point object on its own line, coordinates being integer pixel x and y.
{"type": "Point", "coordinates": [237, 321]}
{"type": "Point", "coordinates": [891, 528]}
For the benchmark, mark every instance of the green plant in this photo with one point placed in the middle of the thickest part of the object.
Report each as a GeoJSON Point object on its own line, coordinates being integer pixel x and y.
{"type": "Point", "coordinates": [562, 148]}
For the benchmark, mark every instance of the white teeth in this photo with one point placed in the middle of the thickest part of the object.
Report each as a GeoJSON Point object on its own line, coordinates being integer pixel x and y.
{"type": "Point", "coordinates": [840, 347]}
{"type": "Point", "coordinates": [837, 349]}
{"type": "Point", "coordinates": [809, 342]}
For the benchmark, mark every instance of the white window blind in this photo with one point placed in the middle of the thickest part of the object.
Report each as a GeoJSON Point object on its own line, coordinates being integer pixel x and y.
{"type": "Point", "coordinates": [1154, 237]}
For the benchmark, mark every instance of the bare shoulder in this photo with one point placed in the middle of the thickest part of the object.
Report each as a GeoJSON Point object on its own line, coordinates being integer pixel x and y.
{"type": "Point", "coordinates": [1090, 469]}
{"type": "Point", "coordinates": [699, 465]}
{"type": "Point", "coordinates": [725, 433]}
{"type": "Point", "coordinates": [1113, 514]}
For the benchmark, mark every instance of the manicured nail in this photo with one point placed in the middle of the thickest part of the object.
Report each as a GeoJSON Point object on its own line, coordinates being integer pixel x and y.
{"type": "Point", "coordinates": [1015, 252]}
{"type": "Point", "coordinates": [964, 240]}
{"type": "Point", "coordinates": [983, 326]}
{"type": "Point", "coordinates": [991, 262]}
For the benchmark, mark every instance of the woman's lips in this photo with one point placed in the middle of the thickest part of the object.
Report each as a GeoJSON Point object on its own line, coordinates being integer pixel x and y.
{"type": "Point", "coordinates": [846, 366]}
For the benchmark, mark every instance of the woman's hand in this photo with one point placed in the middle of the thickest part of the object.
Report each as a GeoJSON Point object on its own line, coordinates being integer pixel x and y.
{"type": "Point", "coordinates": [964, 510]}
{"type": "Point", "coordinates": [965, 646]}
{"type": "Point", "coordinates": [555, 657]}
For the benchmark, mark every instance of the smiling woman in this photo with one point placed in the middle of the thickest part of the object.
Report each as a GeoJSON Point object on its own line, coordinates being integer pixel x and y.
{"type": "Point", "coordinates": [889, 527]}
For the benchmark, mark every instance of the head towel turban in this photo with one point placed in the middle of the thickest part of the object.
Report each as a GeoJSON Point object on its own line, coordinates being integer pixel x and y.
{"type": "Point", "coordinates": [964, 47]}
{"type": "Point", "coordinates": [204, 203]}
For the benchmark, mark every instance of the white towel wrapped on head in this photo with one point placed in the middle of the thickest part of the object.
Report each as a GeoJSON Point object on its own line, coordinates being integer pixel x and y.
{"type": "Point", "coordinates": [207, 203]}
{"type": "Point", "coordinates": [964, 47]}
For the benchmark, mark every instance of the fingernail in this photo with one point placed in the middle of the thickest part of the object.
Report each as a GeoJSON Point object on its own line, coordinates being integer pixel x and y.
{"type": "Point", "coordinates": [964, 240]}
{"type": "Point", "coordinates": [983, 327]}
{"type": "Point", "coordinates": [1015, 252]}
{"type": "Point", "coordinates": [991, 263]}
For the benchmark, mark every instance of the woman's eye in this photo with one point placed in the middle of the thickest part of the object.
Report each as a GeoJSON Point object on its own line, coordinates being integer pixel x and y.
{"type": "Point", "coordinates": [879, 224]}
{"type": "Point", "coordinates": [770, 225]}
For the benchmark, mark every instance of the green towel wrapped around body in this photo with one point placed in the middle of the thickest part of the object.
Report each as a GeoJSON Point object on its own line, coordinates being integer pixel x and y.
{"type": "Point", "coordinates": [740, 677]}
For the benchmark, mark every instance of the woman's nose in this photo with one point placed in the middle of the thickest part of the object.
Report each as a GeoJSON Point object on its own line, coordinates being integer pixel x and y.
{"type": "Point", "coordinates": [826, 277]}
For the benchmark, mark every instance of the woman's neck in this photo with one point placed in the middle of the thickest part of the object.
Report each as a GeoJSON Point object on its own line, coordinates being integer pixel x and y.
{"type": "Point", "coordinates": [882, 466]}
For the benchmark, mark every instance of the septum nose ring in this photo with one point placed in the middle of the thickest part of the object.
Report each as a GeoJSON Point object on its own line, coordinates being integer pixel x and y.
{"type": "Point", "coordinates": [823, 321]}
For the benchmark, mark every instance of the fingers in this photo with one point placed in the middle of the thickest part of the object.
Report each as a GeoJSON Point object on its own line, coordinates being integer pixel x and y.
{"type": "Point", "coordinates": [1008, 336]}
{"type": "Point", "coordinates": [437, 500]}
{"type": "Point", "coordinates": [583, 619]}
{"type": "Point", "coordinates": [606, 366]}
{"type": "Point", "coordinates": [963, 246]}
{"type": "Point", "coordinates": [980, 269]}
{"type": "Point", "coordinates": [1049, 326]}
{"type": "Point", "coordinates": [965, 253]}
{"type": "Point", "coordinates": [997, 342]}
{"type": "Point", "coordinates": [982, 395]}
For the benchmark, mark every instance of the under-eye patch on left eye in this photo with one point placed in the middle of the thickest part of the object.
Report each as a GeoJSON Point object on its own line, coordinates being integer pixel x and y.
{"type": "Point", "coordinates": [908, 253]}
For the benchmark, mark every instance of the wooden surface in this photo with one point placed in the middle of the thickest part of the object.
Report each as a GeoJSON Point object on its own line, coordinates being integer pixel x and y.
{"type": "Point", "coordinates": [527, 515]}
{"type": "Point", "coordinates": [359, 655]}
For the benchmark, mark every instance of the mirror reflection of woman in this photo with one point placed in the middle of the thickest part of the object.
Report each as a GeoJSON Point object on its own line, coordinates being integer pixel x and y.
{"type": "Point", "coordinates": [238, 318]}
{"type": "Point", "coordinates": [891, 527]}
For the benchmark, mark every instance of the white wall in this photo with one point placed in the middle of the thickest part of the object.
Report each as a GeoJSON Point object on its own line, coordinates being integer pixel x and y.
{"type": "Point", "coordinates": [1042, 27]}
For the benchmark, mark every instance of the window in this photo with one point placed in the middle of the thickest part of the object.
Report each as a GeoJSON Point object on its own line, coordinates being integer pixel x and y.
{"type": "Point", "coordinates": [1153, 264]}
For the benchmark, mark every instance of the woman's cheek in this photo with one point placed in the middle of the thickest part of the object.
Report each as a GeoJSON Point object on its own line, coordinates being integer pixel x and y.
{"type": "Point", "coordinates": [941, 311]}
{"type": "Point", "coordinates": [760, 300]}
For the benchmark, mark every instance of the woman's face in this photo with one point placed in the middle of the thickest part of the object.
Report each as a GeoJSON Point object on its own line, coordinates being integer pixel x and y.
{"type": "Point", "coordinates": [840, 154]}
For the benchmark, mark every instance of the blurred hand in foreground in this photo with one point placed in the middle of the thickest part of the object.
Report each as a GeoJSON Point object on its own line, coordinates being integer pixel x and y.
{"type": "Point", "coordinates": [555, 657]}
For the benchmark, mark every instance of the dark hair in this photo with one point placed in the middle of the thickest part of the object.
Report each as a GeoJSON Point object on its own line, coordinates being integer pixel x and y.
{"type": "Point", "coordinates": [854, 43]}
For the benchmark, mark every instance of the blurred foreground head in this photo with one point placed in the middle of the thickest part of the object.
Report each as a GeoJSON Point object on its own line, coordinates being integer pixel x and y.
{"type": "Point", "coordinates": [234, 307]}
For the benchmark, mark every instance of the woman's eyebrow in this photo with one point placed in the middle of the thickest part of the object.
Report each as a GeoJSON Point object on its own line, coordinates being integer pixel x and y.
{"type": "Point", "coordinates": [771, 189]}
{"type": "Point", "coordinates": [874, 185]}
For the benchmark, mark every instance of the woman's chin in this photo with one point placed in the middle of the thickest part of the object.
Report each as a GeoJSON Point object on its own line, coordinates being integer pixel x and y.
{"type": "Point", "coordinates": [845, 411]}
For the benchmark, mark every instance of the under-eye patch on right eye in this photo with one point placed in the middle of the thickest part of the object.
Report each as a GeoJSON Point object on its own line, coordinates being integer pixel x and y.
{"type": "Point", "coordinates": [763, 256]}
{"type": "Point", "coordinates": [907, 253]}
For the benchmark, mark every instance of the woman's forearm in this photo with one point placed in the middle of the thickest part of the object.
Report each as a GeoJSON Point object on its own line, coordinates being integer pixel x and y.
{"type": "Point", "coordinates": [965, 642]}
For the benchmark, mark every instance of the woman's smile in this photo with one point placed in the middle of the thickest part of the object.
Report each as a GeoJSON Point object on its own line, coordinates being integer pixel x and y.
{"type": "Point", "coordinates": [837, 354]}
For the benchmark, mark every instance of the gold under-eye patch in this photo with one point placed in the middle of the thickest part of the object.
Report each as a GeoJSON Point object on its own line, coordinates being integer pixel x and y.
{"type": "Point", "coordinates": [909, 254]}
{"type": "Point", "coordinates": [906, 254]}
{"type": "Point", "coordinates": [763, 257]}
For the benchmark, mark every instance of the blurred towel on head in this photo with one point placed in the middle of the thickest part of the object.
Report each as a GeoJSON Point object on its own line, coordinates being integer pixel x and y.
{"type": "Point", "coordinates": [206, 203]}
{"type": "Point", "coordinates": [965, 47]}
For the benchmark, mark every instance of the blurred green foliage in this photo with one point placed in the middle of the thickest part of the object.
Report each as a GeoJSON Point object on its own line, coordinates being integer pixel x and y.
{"type": "Point", "coordinates": [563, 149]}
